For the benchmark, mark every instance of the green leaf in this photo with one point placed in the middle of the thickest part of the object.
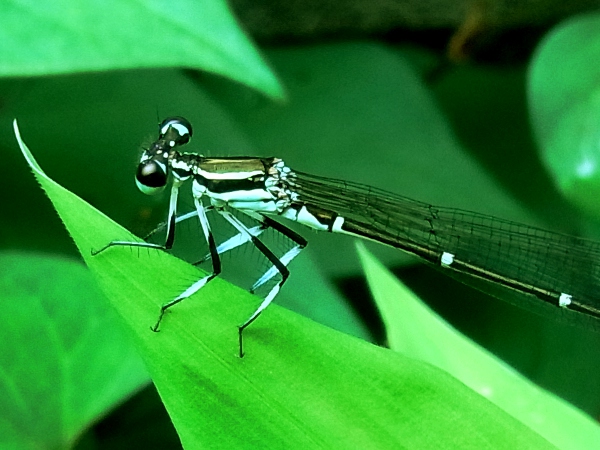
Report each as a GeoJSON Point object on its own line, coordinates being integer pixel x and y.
{"type": "Point", "coordinates": [61, 36]}
{"type": "Point", "coordinates": [300, 384]}
{"type": "Point", "coordinates": [416, 331]}
{"type": "Point", "coordinates": [66, 360]}
{"type": "Point", "coordinates": [564, 96]}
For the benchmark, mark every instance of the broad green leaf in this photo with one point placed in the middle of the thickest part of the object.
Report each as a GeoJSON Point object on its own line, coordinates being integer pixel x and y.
{"type": "Point", "coordinates": [61, 36]}
{"type": "Point", "coordinates": [300, 384]}
{"type": "Point", "coordinates": [564, 96]}
{"type": "Point", "coordinates": [66, 359]}
{"type": "Point", "coordinates": [416, 331]}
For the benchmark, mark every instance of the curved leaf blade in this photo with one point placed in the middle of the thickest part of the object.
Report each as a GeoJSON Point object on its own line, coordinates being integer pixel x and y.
{"type": "Point", "coordinates": [300, 383]}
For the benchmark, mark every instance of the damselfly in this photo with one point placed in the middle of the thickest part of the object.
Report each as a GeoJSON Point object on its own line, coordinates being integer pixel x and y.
{"type": "Point", "coordinates": [555, 268]}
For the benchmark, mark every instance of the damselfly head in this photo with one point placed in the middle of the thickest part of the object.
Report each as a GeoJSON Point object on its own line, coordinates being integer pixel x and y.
{"type": "Point", "coordinates": [175, 131]}
{"type": "Point", "coordinates": [153, 171]}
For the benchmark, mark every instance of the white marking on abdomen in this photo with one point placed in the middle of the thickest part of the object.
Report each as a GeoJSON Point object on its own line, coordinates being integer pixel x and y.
{"type": "Point", "coordinates": [304, 217]}
{"type": "Point", "coordinates": [447, 259]}
{"type": "Point", "coordinates": [337, 226]}
{"type": "Point", "coordinates": [564, 300]}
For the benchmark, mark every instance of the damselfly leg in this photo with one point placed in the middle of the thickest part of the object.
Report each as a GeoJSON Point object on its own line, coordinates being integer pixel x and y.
{"type": "Point", "coordinates": [245, 235]}
{"type": "Point", "coordinates": [279, 265]}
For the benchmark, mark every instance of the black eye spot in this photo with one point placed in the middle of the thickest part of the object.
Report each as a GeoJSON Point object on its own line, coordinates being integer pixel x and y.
{"type": "Point", "coordinates": [151, 174]}
{"type": "Point", "coordinates": [151, 177]}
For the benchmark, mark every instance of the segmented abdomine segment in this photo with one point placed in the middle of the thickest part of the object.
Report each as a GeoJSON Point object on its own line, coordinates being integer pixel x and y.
{"type": "Point", "coordinates": [175, 131]}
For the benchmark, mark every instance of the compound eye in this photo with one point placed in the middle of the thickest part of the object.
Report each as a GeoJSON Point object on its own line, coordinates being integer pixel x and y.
{"type": "Point", "coordinates": [176, 130]}
{"type": "Point", "coordinates": [151, 177]}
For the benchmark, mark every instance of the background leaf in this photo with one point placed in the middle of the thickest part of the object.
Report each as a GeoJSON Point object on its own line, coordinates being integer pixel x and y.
{"type": "Point", "coordinates": [66, 37]}
{"type": "Point", "coordinates": [66, 360]}
{"type": "Point", "coordinates": [564, 93]}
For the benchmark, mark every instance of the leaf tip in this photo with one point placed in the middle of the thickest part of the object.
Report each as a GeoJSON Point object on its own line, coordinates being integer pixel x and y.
{"type": "Point", "coordinates": [26, 152]}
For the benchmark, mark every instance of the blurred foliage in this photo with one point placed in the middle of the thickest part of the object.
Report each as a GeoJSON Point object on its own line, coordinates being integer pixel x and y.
{"type": "Point", "coordinates": [393, 116]}
{"type": "Point", "coordinates": [60, 37]}
{"type": "Point", "coordinates": [66, 359]}
{"type": "Point", "coordinates": [271, 20]}
{"type": "Point", "coordinates": [564, 98]}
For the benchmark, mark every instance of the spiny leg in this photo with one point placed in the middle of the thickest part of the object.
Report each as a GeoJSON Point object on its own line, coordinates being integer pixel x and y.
{"type": "Point", "coordinates": [161, 226]}
{"type": "Point", "coordinates": [283, 270]}
{"type": "Point", "coordinates": [170, 237]}
{"type": "Point", "coordinates": [235, 242]}
{"type": "Point", "coordinates": [243, 237]}
{"type": "Point", "coordinates": [287, 257]}
{"type": "Point", "coordinates": [216, 263]}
